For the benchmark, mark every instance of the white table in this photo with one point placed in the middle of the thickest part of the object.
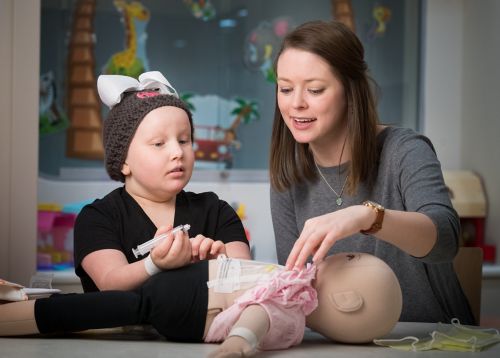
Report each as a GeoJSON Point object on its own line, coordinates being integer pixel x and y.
{"type": "Point", "coordinates": [109, 344]}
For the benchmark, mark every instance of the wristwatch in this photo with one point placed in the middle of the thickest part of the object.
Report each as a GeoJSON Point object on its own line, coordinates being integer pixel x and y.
{"type": "Point", "coordinates": [377, 224]}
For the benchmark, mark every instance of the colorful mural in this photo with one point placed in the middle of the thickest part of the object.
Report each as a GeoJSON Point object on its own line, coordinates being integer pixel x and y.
{"type": "Point", "coordinates": [52, 117]}
{"type": "Point", "coordinates": [201, 9]}
{"type": "Point", "coordinates": [204, 55]}
{"type": "Point", "coordinates": [381, 16]}
{"type": "Point", "coordinates": [132, 61]}
{"type": "Point", "coordinates": [217, 123]}
{"type": "Point", "coordinates": [262, 43]}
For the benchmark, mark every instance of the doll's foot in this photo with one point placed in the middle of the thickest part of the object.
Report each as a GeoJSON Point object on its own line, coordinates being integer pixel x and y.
{"type": "Point", "coordinates": [234, 347]}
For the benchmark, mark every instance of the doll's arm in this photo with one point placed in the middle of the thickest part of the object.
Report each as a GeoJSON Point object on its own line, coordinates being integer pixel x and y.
{"type": "Point", "coordinates": [246, 334]}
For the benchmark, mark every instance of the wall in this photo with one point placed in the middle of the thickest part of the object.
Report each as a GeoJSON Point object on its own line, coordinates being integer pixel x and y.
{"type": "Point", "coordinates": [19, 71]}
{"type": "Point", "coordinates": [461, 92]}
{"type": "Point", "coordinates": [481, 93]}
{"type": "Point", "coordinates": [459, 111]}
{"type": "Point", "coordinates": [255, 197]}
{"type": "Point", "coordinates": [442, 79]}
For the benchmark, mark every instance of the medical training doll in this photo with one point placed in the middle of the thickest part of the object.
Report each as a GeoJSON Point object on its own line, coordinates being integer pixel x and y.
{"type": "Point", "coordinates": [248, 305]}
{"type": "Point", "coordinates": [148, 146]}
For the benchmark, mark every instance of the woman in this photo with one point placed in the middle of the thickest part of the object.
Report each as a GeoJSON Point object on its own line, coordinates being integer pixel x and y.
{"type": "Point", "coordinates": [341, 181]}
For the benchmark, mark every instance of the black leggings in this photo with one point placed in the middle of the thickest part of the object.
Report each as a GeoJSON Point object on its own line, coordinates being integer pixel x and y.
{"type": "Point", "coordinates": [78, 312]}
{"type": "Point", "coordinates": [174, 302]}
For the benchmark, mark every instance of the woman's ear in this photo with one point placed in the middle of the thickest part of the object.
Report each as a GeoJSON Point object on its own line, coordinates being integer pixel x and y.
{"type": "Point", "coordinates": [125, 169]}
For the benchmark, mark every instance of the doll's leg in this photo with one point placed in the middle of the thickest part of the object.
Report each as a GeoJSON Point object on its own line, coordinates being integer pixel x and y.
{"type": "Point", "coordinates": [18, 318]}
{"type": "Point", "coordinates": [246, 333]}
{"type": "Point", "coordinates": [217, 301]}
{"type": "Point", "coordinates": [249, 329]}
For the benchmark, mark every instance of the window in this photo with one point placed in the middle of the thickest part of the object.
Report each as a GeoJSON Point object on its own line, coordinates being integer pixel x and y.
{"type": "Point", "coordinates": [218, 57]}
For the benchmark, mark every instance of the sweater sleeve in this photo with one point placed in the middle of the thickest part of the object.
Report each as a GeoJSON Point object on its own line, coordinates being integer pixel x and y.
{"type": "Point", "coordinates": [423, 190]}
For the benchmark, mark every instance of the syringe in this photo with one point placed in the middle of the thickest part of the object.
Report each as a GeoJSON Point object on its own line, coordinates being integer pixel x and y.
{"type": "Point", "coordinates": [144, 248]}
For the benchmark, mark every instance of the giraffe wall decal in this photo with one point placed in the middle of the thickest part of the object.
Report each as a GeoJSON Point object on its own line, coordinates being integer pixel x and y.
{"type": "Point", "coordinates": [132, 61]}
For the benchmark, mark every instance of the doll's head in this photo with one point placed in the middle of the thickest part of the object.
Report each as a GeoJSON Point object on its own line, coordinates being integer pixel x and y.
{"type": "Point", "coordinates": [359, 298]}
{"type": "Point", "coordinates": [130, 101]}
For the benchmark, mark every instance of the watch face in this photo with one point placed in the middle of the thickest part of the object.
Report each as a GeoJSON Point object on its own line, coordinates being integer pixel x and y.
{"type": "Point", "coordinates": [374, 205]}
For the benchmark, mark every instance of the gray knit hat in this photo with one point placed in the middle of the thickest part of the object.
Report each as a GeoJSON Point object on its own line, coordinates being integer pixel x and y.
{"type": "Point", "coordinates": [122, 122]}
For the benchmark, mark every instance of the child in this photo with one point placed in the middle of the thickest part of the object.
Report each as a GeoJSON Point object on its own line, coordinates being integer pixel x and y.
{"type": "Point", "coordinates": [148, 145]}
{"type": "Point", "coordinates": [249, 305]}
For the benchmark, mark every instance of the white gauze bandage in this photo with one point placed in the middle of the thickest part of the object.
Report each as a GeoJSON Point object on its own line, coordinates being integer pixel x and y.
{"type": "Point", "coordinates": [150, 266]}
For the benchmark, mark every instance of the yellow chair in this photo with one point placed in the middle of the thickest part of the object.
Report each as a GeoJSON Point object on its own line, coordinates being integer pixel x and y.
{"type": "Point", "coordinates": [468, 265]}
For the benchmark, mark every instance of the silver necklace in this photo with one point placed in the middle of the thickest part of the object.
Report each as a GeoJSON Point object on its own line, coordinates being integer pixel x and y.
{"type": "Point", "coordinates": [339, 200]}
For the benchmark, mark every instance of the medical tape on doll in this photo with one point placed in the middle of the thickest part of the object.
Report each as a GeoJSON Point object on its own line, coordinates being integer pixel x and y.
{"type": "Point", "coordinates": [228, 276]}
{"type": "Point", "coordinates": [246, 334]}
{"type": "Point", "coordinates": [232, 276]}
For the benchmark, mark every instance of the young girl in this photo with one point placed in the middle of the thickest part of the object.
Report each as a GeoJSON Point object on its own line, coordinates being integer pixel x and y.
{"type": "Point", "coordinates": [351, 298]}
{"type": "Point", "coordinates": [148, 145]}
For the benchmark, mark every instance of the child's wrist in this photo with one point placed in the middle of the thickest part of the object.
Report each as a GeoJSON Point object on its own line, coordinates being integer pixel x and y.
{"type": "Point", "coordinates": [150, 266]}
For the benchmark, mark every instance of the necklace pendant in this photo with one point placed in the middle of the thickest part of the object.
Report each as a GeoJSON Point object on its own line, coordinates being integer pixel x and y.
{"type": "Point", "coordinates": [339, 201]}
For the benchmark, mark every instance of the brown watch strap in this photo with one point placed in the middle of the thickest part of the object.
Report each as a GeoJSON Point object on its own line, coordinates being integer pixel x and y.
{"type": "Point", "coordinates": [377, 224]}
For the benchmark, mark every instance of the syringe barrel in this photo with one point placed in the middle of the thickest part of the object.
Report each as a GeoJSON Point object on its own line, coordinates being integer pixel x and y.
{"type": "Point", "coordinates": [147, 246]}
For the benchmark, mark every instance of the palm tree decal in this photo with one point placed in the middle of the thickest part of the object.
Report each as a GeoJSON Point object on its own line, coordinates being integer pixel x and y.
{"type": "Point", "coordinates": [247, 111]}
{"type": "Point", "coordinates": [342, 11]}
{"type": "Point", "coordinates": [186, 98]}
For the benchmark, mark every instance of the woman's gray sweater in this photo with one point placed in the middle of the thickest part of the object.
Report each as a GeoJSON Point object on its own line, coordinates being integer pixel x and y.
{"type": "Point", "coordinates": [409, 178]}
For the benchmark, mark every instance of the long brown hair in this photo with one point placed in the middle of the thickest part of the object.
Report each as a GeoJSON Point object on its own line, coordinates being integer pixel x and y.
{"type": "Point", "coordinates": [292, 162]}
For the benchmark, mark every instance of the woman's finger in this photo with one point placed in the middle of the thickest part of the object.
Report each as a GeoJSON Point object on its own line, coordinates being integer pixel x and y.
{"type": "Point", "coordinates": [308, 229]}
{"type": "Point", "coordinates": [324, 247]}
{"type": "Point", "coordinates": [294, 254]}
{"type": "Point", "coordinates": [309, 246]}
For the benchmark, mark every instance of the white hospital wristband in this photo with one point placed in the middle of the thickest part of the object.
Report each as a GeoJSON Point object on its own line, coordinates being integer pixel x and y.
{"type": "Point", "coordinates": [246, 334]}
{"type": "Point", "coordinates": [150, 266]}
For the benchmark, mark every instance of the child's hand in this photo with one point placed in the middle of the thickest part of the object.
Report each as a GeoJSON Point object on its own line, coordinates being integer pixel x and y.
{"type": "Point", "coordinates": [233, 346]}
{"type": "Point", "coordinates": [172, 252]}
{"type": "Point", "coordinates": [204, 248]}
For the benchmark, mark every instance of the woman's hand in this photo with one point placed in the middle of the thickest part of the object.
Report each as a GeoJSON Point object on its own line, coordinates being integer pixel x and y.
{"type": "Point", "coordinates": [204, 248]}
{"type": "Point", "coordinates": [172, 252]}
{"type": "Point", "coordinates": [320, 233]}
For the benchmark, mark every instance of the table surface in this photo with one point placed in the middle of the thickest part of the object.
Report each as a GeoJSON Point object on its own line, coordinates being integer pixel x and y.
{"type": "Point", "coordinates": [110, 344]}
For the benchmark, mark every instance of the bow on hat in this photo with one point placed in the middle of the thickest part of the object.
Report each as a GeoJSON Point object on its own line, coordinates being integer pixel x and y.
{"type": "Point", "coordinates": [112, 87]}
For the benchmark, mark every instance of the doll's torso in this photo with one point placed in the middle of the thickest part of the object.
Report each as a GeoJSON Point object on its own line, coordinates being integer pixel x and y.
{"type": "Point", "coordinates": [230, 278]}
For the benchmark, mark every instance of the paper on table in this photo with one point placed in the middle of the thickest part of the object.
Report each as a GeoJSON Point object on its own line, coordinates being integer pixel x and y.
{"type": "Point", "coordinates": [10, 291]}
{"type": "Point", "coordinates": [33, 293]}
